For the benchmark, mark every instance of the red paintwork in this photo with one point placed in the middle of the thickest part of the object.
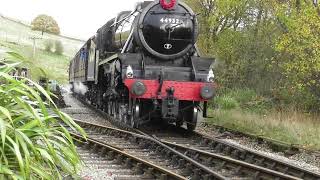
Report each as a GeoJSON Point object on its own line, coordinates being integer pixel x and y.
{"type": "Point", "coordinates": [188, 91]}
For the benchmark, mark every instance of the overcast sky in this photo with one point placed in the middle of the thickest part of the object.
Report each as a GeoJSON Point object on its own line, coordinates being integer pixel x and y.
{"type": "Point", "coordinates": [76, 18]}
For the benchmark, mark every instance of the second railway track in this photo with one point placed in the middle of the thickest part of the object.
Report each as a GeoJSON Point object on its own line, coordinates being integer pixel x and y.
{"type": "Point", "coordinates": [203, 148]}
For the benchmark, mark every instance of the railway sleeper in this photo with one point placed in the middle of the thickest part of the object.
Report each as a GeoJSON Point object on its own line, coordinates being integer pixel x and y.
{"type": "Point", "coordinates": [139, 168]}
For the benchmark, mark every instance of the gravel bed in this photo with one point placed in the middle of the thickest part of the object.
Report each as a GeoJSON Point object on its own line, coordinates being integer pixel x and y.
{"type": "Point", "coordinates": [79, 111]}
{"type": "Point", "coordinates": [303, 159]}
{"type": "Point", "coordinates": [97, 167]}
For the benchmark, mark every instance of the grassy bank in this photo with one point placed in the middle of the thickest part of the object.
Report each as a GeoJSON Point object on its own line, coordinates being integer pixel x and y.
{"type": "Point", "coordinates": [16, 36]}
{"type": "Point", "coordinates": [13, 31]}
{"type": "Point", "coordinates": [248, 116]}
{"type": "Point", "coordinates": [55, 66]}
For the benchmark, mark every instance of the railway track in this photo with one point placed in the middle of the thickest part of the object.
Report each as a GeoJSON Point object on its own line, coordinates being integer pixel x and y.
{"type": "Point", "coordinates": [125, 165]}
{"type": "Point", "coordinates": [175, 158]}
{"type": "Point", "coordinates": [204, 148]}
{"type": "Point", "coordinates": [99, 165]}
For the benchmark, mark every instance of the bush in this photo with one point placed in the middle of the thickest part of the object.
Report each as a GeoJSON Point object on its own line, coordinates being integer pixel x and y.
{"type": "Point", "coordinates": [245, 99]}
{"type": "Point", "coordinates": [58, 47]}
{"type": "Point", "coordinates": [48, 45]}
{"type": "Point", "coordinates": [243, 96]}
{"type": "Point", "coordinates": [33, 145]}
{"type": "Point", "coordinates": [298, 99]}
{"type": "Point", "coordinates": [226, 102]}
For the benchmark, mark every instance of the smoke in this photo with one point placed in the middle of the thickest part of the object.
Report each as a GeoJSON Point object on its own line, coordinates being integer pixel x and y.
{"type": "Point", "coordinates": [66, 88]}
{"type": "Point", "coordinates": [79, 88]}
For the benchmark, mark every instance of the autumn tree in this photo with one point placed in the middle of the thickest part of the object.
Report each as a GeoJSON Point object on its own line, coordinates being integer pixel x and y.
{"type": "Point", "coordinates": [298, 47]}
{"type": "Point", "coordinates": [45, 23]}
{"type": "Point", "coordinates": [270, 46]}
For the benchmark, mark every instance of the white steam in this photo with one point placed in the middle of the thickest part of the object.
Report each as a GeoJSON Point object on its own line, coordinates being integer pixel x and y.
{"type": "Point", "coordinates": [80, 88]}
{"type": "Point", "coordinates": [66, 88]}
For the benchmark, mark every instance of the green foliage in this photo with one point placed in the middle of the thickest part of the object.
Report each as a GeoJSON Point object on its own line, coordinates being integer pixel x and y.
{"type": "Point", "coordinates": [57, 65]}
{"type": "Point", "coordinates": [45, 23]}
{"type": "Point", "coordinates": [243, 96]}
{"type": "Point", "coordinates": [58, 47]}
{"type": "Point", "coordinates": [289, 127]}
{"type": "Point", "coordinates": [299, 52]}
{"type": "Point", "coordinates": [264, 46]}
{"type": "Point", "coordinates": [12, 31]}
{"type": "Point", "coordinates": [48, 45]}
{"type": "Point", "coordinates": [33, 145]}
{"type": "Point", "coordinates": [226, 102]}
{"type": "Point", "coordinates": [53, 47]}
{"type": "Point", "coordinates": [245, 99]}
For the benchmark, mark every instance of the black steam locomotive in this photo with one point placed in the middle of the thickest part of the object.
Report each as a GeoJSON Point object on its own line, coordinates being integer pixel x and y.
{"type": "Point", "coordinates": [144, 65]}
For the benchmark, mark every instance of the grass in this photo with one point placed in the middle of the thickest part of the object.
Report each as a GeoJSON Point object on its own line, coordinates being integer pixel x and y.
{"type": "Point", "coordinates": [15, 36]}
{"type": "Point", "coordinates": [56, 66]}
{"type": "Point", "coordinates": [12, 31]}
{"type": "Point", "coordinates": [33, 144]}
{"type": "Point", "coordinates": [289, 126]}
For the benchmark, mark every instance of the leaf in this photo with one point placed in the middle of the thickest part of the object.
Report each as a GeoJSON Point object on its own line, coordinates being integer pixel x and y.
{"type": "Point", "coordinates": [43, 91]}
{"type": "Point", "coordinates": [5, 170]}
{"type": "Point", "coordinates": [6, 113]}
{"type": "Point", "coordinates": [41, 172]}
{"type": "Point", "coordinates": [16, 55]}
{"type": "Point", "coordinates": [33, 146]}
{"type": "Point", "coordinates": [45, 154]}
{"type": "Point", "coordinates": [68, 120]}
{"type": "Point", "coordinates": [3, 131]}
{"type": "Point", "coordinates": [18, 155]}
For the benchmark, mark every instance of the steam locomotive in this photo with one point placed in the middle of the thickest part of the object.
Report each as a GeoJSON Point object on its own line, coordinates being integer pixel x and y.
{"type": "Point", "coordinates": [144, 65]}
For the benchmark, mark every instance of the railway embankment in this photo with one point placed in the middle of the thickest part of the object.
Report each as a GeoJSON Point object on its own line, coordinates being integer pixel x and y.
{"type": "Point", "coordinates": [246, 112]}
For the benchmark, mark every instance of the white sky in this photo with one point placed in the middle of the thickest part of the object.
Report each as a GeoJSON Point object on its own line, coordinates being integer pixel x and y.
{"type": "Point", "coordinates": [76, 18]}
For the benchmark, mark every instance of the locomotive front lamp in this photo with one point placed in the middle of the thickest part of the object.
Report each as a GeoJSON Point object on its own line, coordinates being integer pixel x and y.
{"type": "Point", "coordinates": [207, 92]}
{"type": "Point", "coordinates": [138, 88]}
{"type": "Point", "coordinates": [168, 4]}
{"type": "Point", "coordinates": [210, 77]}
{"type": "Point", "coordinates": [129, 72]}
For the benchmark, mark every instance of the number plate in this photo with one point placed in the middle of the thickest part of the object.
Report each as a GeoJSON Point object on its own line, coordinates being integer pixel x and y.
{"type": "Point", "coordinates": [171, 20]}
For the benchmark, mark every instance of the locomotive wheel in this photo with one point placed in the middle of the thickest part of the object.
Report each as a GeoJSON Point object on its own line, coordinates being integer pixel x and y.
{"type": "Point", "coordinates": [123, 109]}
{"type": "Point", "coordinates": [135, 115]}
{"type": "Point", "coordinates": [114, 109]}
{"type": "Point", "coordinates": [191, 125]}
{"type": "Point", "coordinates": [109, 108]}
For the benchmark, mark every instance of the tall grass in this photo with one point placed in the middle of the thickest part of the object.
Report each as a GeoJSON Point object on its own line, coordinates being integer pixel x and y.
{"type": "Point", "coordinates": [33, 144]}
{"type": "Point", "coordinates": [292, 127]}
{"type": "Point", "coordinates": [245, 111]}
{"type": "Point", "coordinates": [245, 99]}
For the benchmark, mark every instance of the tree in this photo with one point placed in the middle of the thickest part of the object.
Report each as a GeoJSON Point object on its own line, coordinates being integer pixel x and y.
{"type": "Point", "coordinates": [45, 23]}
{"type": "Point", "coordinates": [58, 47]}
{"type": "Point", "coordinates": [269, 46]}
{"type": "Point", "coordinates": [299, 50]}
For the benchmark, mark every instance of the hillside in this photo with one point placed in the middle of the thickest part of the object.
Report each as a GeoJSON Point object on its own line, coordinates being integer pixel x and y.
{"type": "Point", "coordinates": [16, 35]}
